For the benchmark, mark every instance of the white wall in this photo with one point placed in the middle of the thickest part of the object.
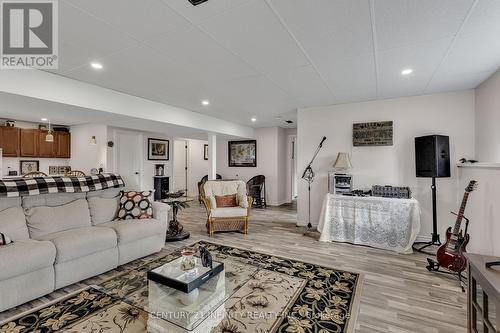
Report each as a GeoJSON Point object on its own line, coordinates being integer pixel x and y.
{"type": "Point", "coordinates": [147, 166]}
{"type": "Point", "coordinates": [269, 160]}
{"type": "Point", "coordinates": [197, 166]}
{"type": "Point", "coordinates": [13, 162]}
{"type": "Point", "coordinates": [483, 209]}
{"type": "Point", "coordinates": [85, 156]}
{"type": "Point", "coordinates": [488, 120]}
{"type": "Point", "coordinates": [448, 114]}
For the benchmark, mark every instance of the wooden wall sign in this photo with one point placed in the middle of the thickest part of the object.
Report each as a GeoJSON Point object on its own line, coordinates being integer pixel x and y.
{"type": "Point", "coordinates": [372, 134]}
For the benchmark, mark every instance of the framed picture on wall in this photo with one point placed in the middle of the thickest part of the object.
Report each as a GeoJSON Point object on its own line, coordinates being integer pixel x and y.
{"type": "Point", "coordinates": [158, 149]}
{"type": "Point", "coordinates": [28, 166]}
{"type": "Point", "coordinates": [242, 153]}
{"type": "Point", "coordinates": [205, 152]}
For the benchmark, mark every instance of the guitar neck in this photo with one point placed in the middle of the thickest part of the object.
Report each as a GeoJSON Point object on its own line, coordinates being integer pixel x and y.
{"type": "Point", "coordinates": [461, 212]}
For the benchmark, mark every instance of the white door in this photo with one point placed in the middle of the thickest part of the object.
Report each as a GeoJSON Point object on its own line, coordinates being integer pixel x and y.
{"type": "Point", "coordinates": [294, 166]}
{"type": "Point", "coordinates": [128, 158]}
{"type": "Point", "coordinates": [180, 165]}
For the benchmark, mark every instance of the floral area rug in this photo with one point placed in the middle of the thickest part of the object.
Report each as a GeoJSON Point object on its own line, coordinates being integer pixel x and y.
{"type": "Point", "coordinates": [265, 294]}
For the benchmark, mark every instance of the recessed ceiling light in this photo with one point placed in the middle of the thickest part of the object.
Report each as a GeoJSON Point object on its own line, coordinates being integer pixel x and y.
{"type": "Point", "coordinates": [43, 119]}
{"type": "Point", "coordinates": [254, 119]}
{"type": "Point", "coordinates": [407, 71]}
{"type": "Point", "coordinates": [96, 65]}
{"type": "Point", "coordinates": [205, 102]}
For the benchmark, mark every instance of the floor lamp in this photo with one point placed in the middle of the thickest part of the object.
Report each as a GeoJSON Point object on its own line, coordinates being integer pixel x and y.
{"type": "Point", "coordinates": [308, 176]}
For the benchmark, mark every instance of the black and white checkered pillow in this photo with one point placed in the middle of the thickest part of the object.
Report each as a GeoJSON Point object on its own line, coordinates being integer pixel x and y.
{"type": "Point", "coordinates": [135, 205]}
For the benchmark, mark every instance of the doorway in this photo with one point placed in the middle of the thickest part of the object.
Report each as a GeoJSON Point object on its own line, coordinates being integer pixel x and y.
{"type": "Point", "coordinates": [293, 167]}
{"type": "Point", "coordinates": [180, 171]}
{"type": "Point", "coordinates": [128, 161]}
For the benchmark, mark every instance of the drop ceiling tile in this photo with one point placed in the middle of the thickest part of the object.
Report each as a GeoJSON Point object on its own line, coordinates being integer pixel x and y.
{"type": "Point", "coordinates": [141, 19]}
{"type": "Point", "coordinates": [79, 28]}
{"type": "Point", "coordinates": [197, 52]}
{"type": "Point", "coordinates": [485, 15]}
{"type": "Point", "coordinates": [406, 22]}
{"type": "Point", "coordinates": [340, 27]}
{"type": "Point", "coordinates": [442, 83]}
{"type": "Point", "coordinates": [473, 53]}
{"type": "Point", "coordinates": [305, 84]}
{"type": "Point", "coordinates": [424, 59]}
{"type": "Point", "coordinates": [255, 34]}
{"type": "Point", "coordinates": [199, 13]}
{"type": "Point", "coordinates": [152, 76]}
{"type": "Point", "coordinates": [349, 78]}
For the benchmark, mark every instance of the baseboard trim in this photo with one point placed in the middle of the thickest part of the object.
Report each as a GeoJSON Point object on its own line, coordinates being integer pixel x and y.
{"type": "Point", "coordinates": [279, 203]}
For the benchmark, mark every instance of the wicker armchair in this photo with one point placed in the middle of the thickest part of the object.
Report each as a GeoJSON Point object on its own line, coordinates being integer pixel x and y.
{"type": "Point", "coordinates": [34, 174]}
{"type": "Point", "coordinates": [227, 218]}
{"type": "Point", "coordinates": [201, 183]}
{"type": "Point", "coordinates": [74, 173]}
{"type": "Point", "coordinates": [256, 187]}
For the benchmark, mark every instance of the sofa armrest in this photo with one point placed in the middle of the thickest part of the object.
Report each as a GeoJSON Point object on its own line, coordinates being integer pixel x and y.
{"type": "Point", "coordinates": [160, 212]}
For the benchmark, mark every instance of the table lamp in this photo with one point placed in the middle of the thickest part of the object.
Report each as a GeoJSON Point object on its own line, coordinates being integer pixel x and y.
{"type": "Point", "coordinates": [343, 162]}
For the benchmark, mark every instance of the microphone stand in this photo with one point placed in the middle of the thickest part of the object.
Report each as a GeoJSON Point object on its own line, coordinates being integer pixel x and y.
{"type": "Point", "coordinates": [308, 175]}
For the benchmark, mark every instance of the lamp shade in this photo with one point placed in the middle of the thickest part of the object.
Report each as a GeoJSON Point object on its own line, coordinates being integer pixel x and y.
{"type": "Point", "coordinates": [343, 161]}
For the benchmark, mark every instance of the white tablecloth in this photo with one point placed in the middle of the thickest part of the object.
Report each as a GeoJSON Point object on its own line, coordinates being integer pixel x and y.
{"type": "Point", "coordinates": [384, 223]}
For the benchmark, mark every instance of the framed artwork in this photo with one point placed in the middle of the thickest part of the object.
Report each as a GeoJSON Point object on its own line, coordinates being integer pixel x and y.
{"type": "Point", "coordinates": [205, 152]}
{"type": "Point", "coordinates": [158, 149]}
{"type": "Point", "coordinates": [28, 166]}
{"type": "Point", "coordinates": [372, 134]}
{"type": "Point", "coordinates": [242, 153]}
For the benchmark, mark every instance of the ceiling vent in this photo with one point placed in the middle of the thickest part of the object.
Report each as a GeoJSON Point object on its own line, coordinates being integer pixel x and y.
{"type": "Point", "coordinates": [197, 2]}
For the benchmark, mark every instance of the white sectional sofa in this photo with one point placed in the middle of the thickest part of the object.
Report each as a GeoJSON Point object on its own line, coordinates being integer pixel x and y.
{"type": "Point", "coordinates": [63, 238]}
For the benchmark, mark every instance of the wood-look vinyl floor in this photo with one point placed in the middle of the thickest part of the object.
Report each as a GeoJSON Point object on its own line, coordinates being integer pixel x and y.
{"type": "Point", "coordinates": [398, 294]}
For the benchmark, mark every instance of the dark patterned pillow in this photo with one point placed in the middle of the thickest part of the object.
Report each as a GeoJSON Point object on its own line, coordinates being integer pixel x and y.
{"type": "Point", "coordinates": [4, 240]}
{"type": "Point", "coordinates": [135, 205]}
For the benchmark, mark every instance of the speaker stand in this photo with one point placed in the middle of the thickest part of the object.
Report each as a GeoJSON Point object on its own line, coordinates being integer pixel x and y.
{"type": "Point", "coordinates": [436, 241]}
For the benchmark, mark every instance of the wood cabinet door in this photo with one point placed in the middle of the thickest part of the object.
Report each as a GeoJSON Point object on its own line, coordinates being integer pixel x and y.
{"type": "Point", "coordinates": [63, 142]}
{"type": "Point", "coordinates": [29, 142]}
{"type": "Point", "coordinates": [10, 141]}
{"type": "Point", "coordinates": [46, 149]}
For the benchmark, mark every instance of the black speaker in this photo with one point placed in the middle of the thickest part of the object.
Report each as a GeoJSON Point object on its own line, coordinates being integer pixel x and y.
{"type": "Point", "coordinates": [432, 156]}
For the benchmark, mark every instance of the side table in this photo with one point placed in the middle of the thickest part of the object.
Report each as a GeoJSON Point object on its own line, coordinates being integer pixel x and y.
{"type": "Point", "coordinates": [176, 230]}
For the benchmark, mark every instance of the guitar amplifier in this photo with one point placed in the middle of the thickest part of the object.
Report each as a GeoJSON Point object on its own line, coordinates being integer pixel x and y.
{"type": "Point", "coordinates": [401, 192]}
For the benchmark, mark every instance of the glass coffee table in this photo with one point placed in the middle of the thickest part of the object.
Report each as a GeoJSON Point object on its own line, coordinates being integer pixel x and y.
{"type": "Point", "coordinates": [169, 309]}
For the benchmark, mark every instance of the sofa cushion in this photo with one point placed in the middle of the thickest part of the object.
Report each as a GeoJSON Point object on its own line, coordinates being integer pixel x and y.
{"type": "Point", "coordinates": [51, 199]}
{"type": "Point", "coordinates": [13, 223]}
{"type": "Point", "coordinates": [102, 210]}
{"type": "Point", "coordinates": [107, 193]}
{"type": "Point", "coordinates": [80, 242]}
{"type": "Point", "coordinates": [47, 220]}
{"type": "Point", "coordinates": [9, 202]}
{"type": "Point", "coordinates": [228, 212]}
{"type": "Point", "coordinates": [25, 256]}
{"type": "Point", "coordinates": [135, 205]}
{"type": "Point", "coordinates": [132, 230]}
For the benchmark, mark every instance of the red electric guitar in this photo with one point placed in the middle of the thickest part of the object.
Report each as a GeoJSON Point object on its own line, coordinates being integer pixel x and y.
{"type": "Point", "coordinates": [451, 254]}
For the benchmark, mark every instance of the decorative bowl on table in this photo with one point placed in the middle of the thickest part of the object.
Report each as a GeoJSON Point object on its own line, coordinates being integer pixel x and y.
{"type": "Point", "coordinates": [175, 195]}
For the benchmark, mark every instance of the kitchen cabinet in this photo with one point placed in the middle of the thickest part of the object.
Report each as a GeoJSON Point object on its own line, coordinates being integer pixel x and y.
{"type": "Point", "coordinates": [63, 144]}
{"type": "Point", "coordinates": [46, 149]}
{"type": "Point", "coordinates": [10, 141]}
{"type": "Point", "coordinates": [28, 142]}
